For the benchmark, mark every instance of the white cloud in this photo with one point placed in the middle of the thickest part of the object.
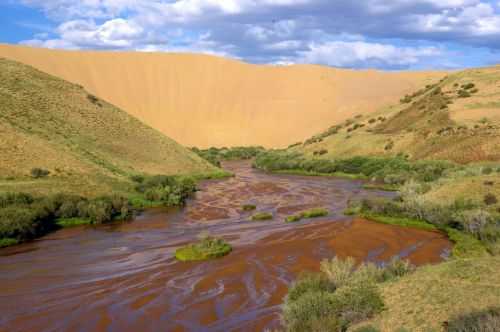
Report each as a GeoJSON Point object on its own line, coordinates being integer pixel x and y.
{"type": "Point", "coordinates": [342, 54]}
{"type": "Point", "coordinates": [478, 20]}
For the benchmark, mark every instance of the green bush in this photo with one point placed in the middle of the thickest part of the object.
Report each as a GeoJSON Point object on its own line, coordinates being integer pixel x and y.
{"type": "Point", "coordinates": [303, 314]}
{"type": "Point", "coordinates": [207, 248]}
{"type": "Point", "coordinates": [357, 302]}
{"type": "Point", "coordinates": [262, 216]}
{"type": "Point", "coordinates": [7, 199]}
{"type": "Point", "coordinates": [249, 207]}
{"type": "Point", "coordinates": [396, 268]}
{"type": "Point", "coordinates": [481, 321]}
{"type": "Point", "coordinates": [24, 217]}
{"type": "Point", "coordinates": [339, 271]}
{"type": "Point", "coordinates": [314, 213]}
{"type": "Point", "coordinates": [312, 282]}
{"type": "Point", "coordinates": [38, 173]}
{"type": "Point", "coordinates": [169, 190]}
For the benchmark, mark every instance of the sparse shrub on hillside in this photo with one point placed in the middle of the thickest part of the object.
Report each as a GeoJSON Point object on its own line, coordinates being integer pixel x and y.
{"type": "Point", "coordinates": [468, 86]}
{"type": "Point", "coordinates": [481, 321]}
{"type": "Point", "coordinates": [94, 100]}
{"type": "Point", "coordinates": [320, 152]}
{"type": "Point", "coordinates": [389, 146]}
{"type": "Point", "coordinates": [137, 178]}
{"type": "Point", "coordinates": [38, 173]}
{"type": "Point", "coordinates": [372, 120]}
{"type": "Point", "coordinates": [487, 170]}
{"type": "Point", "coordinates": [475, 90]}
{"type": "Point", "coordinates": [490, 199]}
{"type": "Point", "coordinates": [463, 94]}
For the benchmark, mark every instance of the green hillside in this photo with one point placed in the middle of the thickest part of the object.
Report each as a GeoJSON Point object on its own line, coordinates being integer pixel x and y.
{"type": "Point", "coordinates": [89, 146]}
{"type": "Point", "coordinates": [457, 119]}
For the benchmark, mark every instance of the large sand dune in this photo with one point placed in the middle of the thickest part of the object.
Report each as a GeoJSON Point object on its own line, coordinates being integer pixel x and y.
{"type": "Point", "coordinates": [204, 101]}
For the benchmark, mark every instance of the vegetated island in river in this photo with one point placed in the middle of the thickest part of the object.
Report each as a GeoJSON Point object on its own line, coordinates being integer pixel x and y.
{"type": "Point", "coordinates": [207, 248]}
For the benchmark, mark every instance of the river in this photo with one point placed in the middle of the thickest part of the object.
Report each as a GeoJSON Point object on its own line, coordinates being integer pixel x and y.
{"type": "Point", "coordinates": [123, 277]}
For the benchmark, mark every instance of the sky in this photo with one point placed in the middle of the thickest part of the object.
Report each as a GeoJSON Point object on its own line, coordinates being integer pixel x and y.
{"type": "Point", "coordinates": [381, 34]}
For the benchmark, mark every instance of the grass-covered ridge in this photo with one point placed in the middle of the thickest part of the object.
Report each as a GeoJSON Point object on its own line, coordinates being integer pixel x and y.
{"type": "Point", "coordinates": [56, 137]}
{"type": "Point", "coordinates": [455, 119]}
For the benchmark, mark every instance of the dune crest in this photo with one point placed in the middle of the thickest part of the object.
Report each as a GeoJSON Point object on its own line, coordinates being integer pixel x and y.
{"type": "Point", "coordinates": [205, 101]}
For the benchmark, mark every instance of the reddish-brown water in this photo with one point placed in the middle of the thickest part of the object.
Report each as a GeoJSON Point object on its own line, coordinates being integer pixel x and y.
{"type": "Point", "coordinates": [124, 278]}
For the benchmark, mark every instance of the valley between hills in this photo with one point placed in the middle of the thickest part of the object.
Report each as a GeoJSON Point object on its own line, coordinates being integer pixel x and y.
{"type": "Point", "coordinates": [305, 198]}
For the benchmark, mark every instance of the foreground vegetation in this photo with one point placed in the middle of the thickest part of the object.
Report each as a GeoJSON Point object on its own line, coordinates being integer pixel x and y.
{"type": "Point", "coordinates": [339, 296]}
{"type": "Point", "coordinates": [207, 248]}
{"type": "Point", "coordinates": [24, 216]}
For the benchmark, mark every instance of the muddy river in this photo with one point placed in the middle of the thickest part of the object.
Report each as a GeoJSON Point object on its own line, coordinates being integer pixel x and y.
{"type": "Point", "coordinates": [124, 277]}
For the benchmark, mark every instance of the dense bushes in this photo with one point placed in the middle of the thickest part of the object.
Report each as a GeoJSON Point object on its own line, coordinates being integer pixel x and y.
{"type": "Point", "coordinates": [24, 217]}
{"type": "Point", "coordinates": [462, 216]}
{"type": "Point", "coordinates": [168, 190]}
{"type": "Point", "coordinates": [216, 155]}
{"type": "Point", "coordinates": [339, 296]}
{"type": "Point", "coordinates": [392, 170]}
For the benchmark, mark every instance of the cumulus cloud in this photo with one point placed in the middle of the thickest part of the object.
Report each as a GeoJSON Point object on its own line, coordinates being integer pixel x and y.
{"type": "Point", "coordinates": [341, 32]}
{"type": "Point", "coordinates": [364, 54]}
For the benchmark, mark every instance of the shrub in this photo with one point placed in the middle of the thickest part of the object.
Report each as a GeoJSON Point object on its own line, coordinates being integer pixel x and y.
{"type": "Point", "coordinates": [358, 302]}
{"type": "Point", "coordinates": [294, 218]}
{"type": "Point", "coordinates": [304, 313]}
{"type": "Point", "coordinates": [490, 199]}
{"type": "Point", "coordinates": [463, 94]}
{"type": "Point", "coordinates": [313, 282]}
{"type": "Point", "coordinates": [207, 248]}
{"type": "Point", "coordinates": [249, 207]}
{"type": "Point", "coordinates": [481, 321]}
{"type": "Point", "coordinates": [137, 178]}
{"type": "Point", "coordinates": [397, 268]}
{"type": "Point", "coordinates": [338, 271]}
{"type": "Point", "coordinates": [473, 221]}
{"type": "Point", "coordinates": [262, 216]}
{"type": "Point", "coordinates": [314, 213]}
{"type": "Point", "coordinates": [468, 86]}
{"type": "Point", "coordinates": [38, 173]}
{"type": "Point", "coordinates": [7, 199]}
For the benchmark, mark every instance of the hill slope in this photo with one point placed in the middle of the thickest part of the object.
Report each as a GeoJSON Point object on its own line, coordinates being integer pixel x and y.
{"type": "Point", "coordinates": [457, 119]}
{"type": "Point", "coordinates": [205, 101]}
{"type": "Point", "coordinates": [85, 143]}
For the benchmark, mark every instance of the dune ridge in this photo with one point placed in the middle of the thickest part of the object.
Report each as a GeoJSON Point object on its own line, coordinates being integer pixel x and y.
{"type": "Point", "coordinates": [204, 101]}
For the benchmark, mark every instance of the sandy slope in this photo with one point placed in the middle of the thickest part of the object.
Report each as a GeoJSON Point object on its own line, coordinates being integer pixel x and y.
{"type": "Point", "coordinates": [206, 101]}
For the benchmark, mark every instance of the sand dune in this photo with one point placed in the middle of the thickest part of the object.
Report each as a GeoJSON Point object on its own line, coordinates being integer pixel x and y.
{"type": "Point", "coordinates": [204, 101]}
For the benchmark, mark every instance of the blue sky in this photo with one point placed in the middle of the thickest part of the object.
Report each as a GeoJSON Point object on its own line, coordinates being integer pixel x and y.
{"type": "Point", "coordinates": [393, 35]}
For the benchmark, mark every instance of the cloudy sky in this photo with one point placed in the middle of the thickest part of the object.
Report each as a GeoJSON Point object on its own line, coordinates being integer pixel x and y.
{"type": "Point", "coordinates": [384, 34]}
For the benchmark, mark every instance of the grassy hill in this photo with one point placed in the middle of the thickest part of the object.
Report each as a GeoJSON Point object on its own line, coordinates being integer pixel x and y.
{"type": "Point", "coordinates": [89, 146]}
{"type": "Point", "coordinates": [206, 101]}
{"type": "Point", "coordinates": [457, 119]}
